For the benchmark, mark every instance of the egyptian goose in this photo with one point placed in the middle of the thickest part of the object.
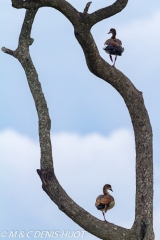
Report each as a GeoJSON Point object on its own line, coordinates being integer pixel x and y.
{"type": "Point", "coordinates": [105, 202]}
{"type": "Point", "coordinates": [114, 46]}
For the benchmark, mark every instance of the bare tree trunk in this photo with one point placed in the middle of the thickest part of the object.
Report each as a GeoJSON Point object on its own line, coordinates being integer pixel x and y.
{"type": "Point", "coordinates": [82, 22]}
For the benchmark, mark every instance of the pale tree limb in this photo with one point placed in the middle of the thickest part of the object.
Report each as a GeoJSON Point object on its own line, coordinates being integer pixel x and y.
{"type": "Point", "coordinates": [142, 227]}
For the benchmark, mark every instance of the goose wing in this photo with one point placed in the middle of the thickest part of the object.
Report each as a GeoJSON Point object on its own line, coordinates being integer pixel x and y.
{"type": "Point", "coordinates": [104, 202]}
{"type": "Point", "coordinates": [108, 41]}
{"type": "Point", "coordinates": [113, 41]}
{"type": "Point", "coordinates": [118, 41]}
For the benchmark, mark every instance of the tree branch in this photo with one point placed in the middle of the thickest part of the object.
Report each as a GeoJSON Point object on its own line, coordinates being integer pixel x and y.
{"type": "Point", "coordinates": [8, 51]}
{"type": "Point", "coordinates": [107, 12]}
{"type": "Point", "coordinates": [140, 120]}
{"type": "Point", "coordinates": [61, 5]}
{"type": "Point", "coordinates": [23, 55]}
{"type": "Point", "coordinates": [101, 229]}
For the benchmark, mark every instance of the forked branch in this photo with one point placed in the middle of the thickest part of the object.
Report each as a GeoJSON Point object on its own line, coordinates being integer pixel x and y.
{"type": "Point", "coordinates": [142, 227]}
{"type": "Point", "coordinates": [70, 12]}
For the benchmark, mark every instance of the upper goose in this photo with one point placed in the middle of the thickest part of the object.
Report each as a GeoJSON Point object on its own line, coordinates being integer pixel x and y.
{"type": "Point", "coordinates": [114, 46]}
{"type": "Point", "coordinates": [106, 201]}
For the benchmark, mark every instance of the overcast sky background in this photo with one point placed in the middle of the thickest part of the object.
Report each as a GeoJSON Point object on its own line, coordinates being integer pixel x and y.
{"type": "Point", "coordinates": [92, 134]}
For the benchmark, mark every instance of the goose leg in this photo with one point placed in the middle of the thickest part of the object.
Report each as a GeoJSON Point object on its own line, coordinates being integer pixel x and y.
{"type": "Point", "coordinates": [114, 61]}
{"type": "Point", "coordinates": [111, 57]}
{"type": "Point", "coordinates": [104, 216]}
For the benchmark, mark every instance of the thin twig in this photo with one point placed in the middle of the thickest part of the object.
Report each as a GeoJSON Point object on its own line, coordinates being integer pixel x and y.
{"type": "Point", "coordinates": [87, 7]}
{"type": "Point", "coordinates": [8, 51]}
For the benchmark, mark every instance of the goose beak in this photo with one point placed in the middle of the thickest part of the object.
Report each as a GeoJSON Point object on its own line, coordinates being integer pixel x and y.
{"type": "Point", "coordinates": [111, 189]}
{"type": "Point", "coordinates": [109, 32]}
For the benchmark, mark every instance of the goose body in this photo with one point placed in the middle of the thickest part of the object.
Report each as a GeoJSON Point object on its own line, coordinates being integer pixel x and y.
{"type": "Point", "coordinates": [113, 46]}
{"type": "Point", "coordinates": [115, 42]}
{"type": "Point", "coordinates": [105, 202]}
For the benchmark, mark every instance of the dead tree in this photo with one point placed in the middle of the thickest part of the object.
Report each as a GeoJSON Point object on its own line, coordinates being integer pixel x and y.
{"type": "Point", "coordinates": [82, 22]}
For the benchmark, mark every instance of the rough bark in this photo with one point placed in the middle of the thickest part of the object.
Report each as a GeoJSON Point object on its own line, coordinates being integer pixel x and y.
{"type": "Point", "coordinates": [143, 225]}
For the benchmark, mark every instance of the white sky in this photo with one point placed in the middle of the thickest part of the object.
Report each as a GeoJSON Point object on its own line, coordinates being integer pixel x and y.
{"type": "Point", "coordinates": [92, 135]}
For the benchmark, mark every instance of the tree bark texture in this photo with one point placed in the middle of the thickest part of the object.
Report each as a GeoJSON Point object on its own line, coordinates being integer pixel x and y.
{"type": "Point", "coordinates": [82, 22]}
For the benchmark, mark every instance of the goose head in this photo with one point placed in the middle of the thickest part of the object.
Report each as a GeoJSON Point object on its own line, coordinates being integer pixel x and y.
{"type": "Point", "coordinates": [106, 188]}
{"type": "Point", "coordinates": [113, 31]}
